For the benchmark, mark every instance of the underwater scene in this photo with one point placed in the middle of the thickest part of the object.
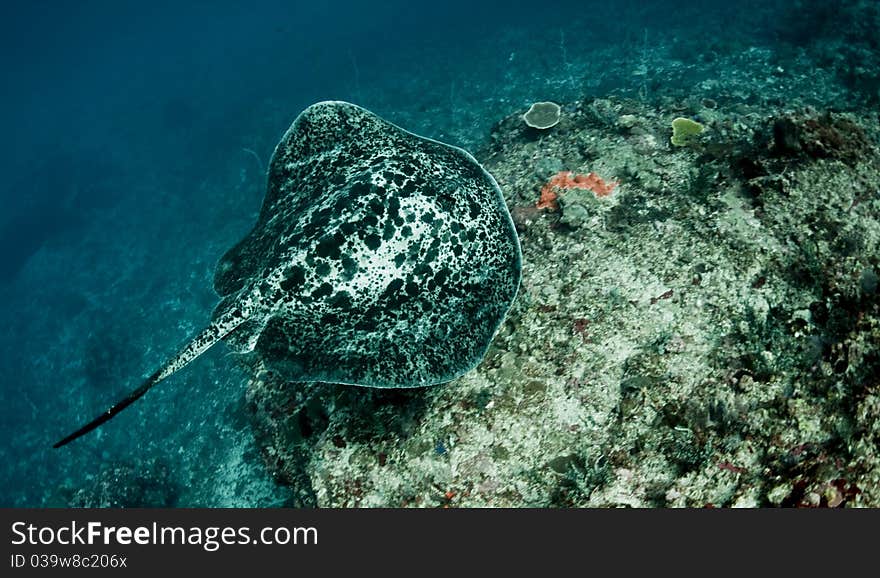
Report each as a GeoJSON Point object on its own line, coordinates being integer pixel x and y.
{"type": "Point", "coordinates": [440, 254]}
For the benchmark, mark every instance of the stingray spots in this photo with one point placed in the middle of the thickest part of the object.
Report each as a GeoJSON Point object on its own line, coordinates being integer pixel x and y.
{"type": "Point", "coordinates": [393, 287]}
{"type": "Point", "coordinates": [349, 268]}
{"type": "Point", "coordinates": [388, 230]}
{"type": "Point", "coordinates": [294, 279]}
{"type": "Point", "coordinates": [376, 205]}
{"type": "Point", "coordinates": [329, 247]}
{"type": "Point", "coordinates": [323, 290]}
{"type": "Point", "coordinates": [322, 269]}
{"type": "Point", "coordinates": [372, 241]}
{"type": "Point", "coordinates": [340, 300]}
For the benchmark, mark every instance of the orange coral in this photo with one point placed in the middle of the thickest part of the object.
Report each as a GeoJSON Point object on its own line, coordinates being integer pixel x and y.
{"type": "Point", "coordinates": [564, 180]}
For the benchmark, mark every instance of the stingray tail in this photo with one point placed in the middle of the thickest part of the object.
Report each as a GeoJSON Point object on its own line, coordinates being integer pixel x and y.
{"type": "Point", "coordinates": [222, 327]}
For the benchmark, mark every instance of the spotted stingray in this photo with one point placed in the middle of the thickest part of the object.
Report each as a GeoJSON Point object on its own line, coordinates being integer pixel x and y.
{"type": "Point", "coordinates": [380, 258]}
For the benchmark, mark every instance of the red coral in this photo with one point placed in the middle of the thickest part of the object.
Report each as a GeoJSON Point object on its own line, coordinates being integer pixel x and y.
{"type": "Point", "coordinates": [565, 180]}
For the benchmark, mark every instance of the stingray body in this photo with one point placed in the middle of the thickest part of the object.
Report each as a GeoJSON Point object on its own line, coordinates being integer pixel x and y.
{"type": "Point", "coordinates": [380, 258]}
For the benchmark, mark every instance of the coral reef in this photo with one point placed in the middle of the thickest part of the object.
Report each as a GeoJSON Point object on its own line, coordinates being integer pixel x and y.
{"type": "Point", "coordinates": [707, 334]}
{"type": "Point", "coordinates": [710, 338]}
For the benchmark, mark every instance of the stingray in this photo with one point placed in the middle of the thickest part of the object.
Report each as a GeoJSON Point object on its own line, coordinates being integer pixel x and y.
{"type": "Point", "coordinates": [380, 258]}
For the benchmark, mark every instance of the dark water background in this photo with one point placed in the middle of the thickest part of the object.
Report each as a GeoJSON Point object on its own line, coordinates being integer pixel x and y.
{"type": "Point", "coordinates": [135, 136]}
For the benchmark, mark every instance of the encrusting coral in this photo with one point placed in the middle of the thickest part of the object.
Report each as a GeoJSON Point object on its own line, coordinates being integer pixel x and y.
{"type": "Point", "coordinates": [565, 180]}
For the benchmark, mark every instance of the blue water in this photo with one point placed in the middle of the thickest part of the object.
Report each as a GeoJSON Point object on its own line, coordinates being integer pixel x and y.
{"type": "Point", "coordinates": [135, 136]}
